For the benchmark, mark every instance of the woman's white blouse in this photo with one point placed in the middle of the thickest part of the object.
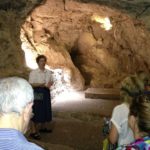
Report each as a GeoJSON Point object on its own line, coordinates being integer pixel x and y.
{"type": "Point", "coordinates": [39, 76]}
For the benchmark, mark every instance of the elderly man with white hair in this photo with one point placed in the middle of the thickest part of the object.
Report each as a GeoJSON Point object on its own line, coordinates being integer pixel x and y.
{"type": "Point", "coordinates": [16, 100]}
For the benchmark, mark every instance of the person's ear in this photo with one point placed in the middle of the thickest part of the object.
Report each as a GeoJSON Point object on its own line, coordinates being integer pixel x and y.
{"type": "Point", "coordinates": [27, 112]}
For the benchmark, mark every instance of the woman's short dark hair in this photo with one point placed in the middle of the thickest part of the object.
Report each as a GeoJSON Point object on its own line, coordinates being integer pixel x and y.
{"type": "Point", "coordinates": [39, 57]}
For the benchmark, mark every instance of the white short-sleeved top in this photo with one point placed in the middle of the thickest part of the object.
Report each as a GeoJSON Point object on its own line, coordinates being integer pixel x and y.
{"type": "Point", "coordinates": [39, 76]}
{"type": "Point", "coordinates": [120, 120]}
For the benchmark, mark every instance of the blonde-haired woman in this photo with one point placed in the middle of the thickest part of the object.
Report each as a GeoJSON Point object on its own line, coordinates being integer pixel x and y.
{"type": "Point", "coordinates": [120, 132]}
{"type": "Point", "coordinates": [139, 122]}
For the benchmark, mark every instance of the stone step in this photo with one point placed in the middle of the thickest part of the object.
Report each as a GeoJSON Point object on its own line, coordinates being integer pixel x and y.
{"type": "Point", "coordinates": [103, 93]}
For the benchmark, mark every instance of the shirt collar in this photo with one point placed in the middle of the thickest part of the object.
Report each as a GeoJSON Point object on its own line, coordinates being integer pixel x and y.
{"type": "Point", "coordinates": [11, 134]}
{"type": "Point", "coordinates": [41, 70]}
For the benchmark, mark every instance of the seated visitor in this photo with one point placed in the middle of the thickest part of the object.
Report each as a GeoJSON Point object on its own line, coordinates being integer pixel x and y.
{"type": "Point", "coordinates": [16, 100]}
{"type": "Point", "coordinates": [120, 132]}
{"type": "Point", "coordinates": [139, 122]}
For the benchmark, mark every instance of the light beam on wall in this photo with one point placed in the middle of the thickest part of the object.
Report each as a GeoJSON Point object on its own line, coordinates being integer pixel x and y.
{"type": "Point", "coordinates": [104, 22]}
{"type": "Point", "coordinates": [30, 54]}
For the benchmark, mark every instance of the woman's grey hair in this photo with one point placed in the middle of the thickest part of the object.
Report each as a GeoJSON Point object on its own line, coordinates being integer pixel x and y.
{"type": "Point", "coordinates": [15, 94]}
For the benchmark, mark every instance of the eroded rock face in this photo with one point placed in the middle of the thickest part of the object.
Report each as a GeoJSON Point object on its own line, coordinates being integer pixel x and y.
{"type": "Point", "coordinates": [104, 57]}
{"type": "Point", "coordinates": [113, 54]}
{"type": "Point", "coordinates": [65, 32]}
{"type": "Point", "coordinates": [13, 14]}
{"type": "Point", "coordinates": [139, 9]}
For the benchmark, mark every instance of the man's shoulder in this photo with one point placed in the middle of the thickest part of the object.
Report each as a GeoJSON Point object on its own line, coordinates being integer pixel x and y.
{"type": "Point", "coordinates": [17, 141]}
{"type": "Point", "coordinates": [31, 146]}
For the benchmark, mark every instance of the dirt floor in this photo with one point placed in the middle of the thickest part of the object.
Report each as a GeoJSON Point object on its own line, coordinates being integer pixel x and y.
{"type": "Point", "coordinates": [77, 125]}
{"type": "Point", "coordinates": [72, 135]}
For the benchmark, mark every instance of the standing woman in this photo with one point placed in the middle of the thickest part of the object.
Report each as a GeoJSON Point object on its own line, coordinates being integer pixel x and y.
{"type": "Point", "coordinates": [41, 81]}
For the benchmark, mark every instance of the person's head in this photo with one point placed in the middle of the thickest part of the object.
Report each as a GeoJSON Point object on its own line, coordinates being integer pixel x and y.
{"type": "Point", "coordinates": [16, 100]}
{"type": "Point", "coordinates": [139, 116]}
{"type": "Point", "coordinates": [143, 76]}
{"type": "Point", "coordinates": [41, 61]}
{"type": "Point", "coordinates": [130, 87]}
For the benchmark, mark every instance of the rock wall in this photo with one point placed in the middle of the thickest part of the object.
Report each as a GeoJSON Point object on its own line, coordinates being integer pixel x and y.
{"type": "Point", "coordinates": [61, 29]}
{"type": "Point", "coordinates": [13, 14]}
{"type": "Point", "coordinates": [139, 9]}
{"type": "Point", "coordinates": [64, 31]}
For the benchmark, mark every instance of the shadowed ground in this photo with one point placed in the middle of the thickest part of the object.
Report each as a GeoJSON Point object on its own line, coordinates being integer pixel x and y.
{"type": "Point", "coordinates": [77, 123]}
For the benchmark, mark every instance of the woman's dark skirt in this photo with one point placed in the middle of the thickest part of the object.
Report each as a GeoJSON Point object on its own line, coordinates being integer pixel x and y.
{"type": "Point", "coordinates": [42, 105]}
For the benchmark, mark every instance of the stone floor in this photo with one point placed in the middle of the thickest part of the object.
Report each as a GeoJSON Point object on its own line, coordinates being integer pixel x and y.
{"type": "Point", "coordinates": [77, 123]}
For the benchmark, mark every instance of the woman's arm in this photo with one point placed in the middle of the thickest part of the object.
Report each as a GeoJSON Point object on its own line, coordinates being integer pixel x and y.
{"type": "Point", "coordinates": [113, 135]}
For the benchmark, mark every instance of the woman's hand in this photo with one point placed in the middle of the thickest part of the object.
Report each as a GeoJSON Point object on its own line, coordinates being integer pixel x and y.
{"type": "Point", "coordinates": [49, 84]}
